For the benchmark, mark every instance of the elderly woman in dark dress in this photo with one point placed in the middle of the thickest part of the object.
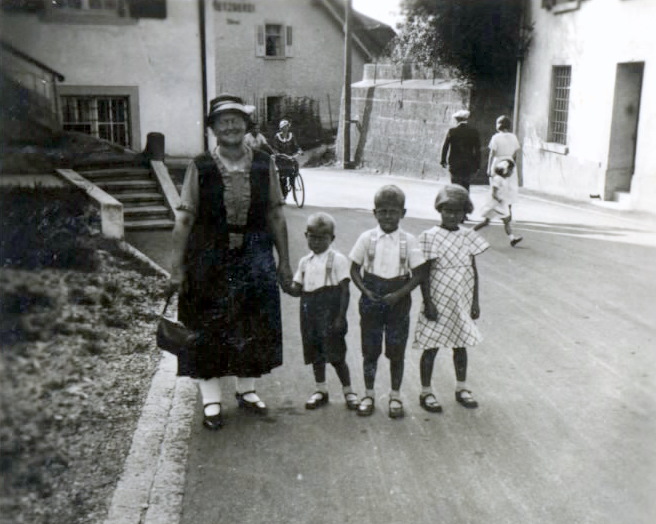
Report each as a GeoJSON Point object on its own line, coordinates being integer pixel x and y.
{"type": "Point", "coordinates": [228, 222]}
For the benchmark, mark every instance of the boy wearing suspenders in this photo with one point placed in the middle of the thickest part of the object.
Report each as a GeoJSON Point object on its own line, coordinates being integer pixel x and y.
{"type": "Point", "coordinates": [322, 282]}
{"type": "Point", "coordinates": [393, 266]}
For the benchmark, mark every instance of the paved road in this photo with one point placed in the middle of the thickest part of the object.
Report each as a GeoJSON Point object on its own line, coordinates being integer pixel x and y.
{"type": "Point", "coordinates": [565, 379]}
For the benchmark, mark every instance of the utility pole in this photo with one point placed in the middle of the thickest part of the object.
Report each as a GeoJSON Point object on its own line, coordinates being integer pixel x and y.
{"type": "Point", "coordinates": [347, 85]}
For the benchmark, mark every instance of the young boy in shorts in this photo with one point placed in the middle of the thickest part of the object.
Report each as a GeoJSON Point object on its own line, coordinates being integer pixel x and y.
{"type": "Point", "coordinates": [387, 264]}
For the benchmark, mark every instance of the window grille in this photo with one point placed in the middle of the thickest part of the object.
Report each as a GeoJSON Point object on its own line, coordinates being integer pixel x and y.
{"type": "Point", "coordinates": [100, 116]}
{"type": "Point", "coordinates": [559, 112]}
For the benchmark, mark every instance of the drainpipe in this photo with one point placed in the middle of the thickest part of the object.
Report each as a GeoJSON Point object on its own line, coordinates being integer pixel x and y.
{"type": "Point", "coordinates": [518, 85]}
{"type": "Point", "coordinates": [203, 68]}
{"type": "Point", "coordinates": [347, 85]}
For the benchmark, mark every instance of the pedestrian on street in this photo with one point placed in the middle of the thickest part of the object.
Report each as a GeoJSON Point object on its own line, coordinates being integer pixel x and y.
{"type": "Point", "coordinates": [393, 266]}
{"type": "Point", "coordinates": [498, 203]}
{"type": "Point", "coordinates": [256, 140]}
{"type": "Point", "coordinates": [322, 281]}
{"type": "Point", "coordinates": [450, 295]}
{"type": "Point", "coordinates": [503, 145]}
{"type": "Point", "coordinates": [229, 219]}
{"type": "Point", "coordinates": [462, 147]}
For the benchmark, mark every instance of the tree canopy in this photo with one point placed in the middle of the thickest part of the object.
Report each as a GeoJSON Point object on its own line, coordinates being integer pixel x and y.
{"type": "Point", "coordinates": [477, 39]}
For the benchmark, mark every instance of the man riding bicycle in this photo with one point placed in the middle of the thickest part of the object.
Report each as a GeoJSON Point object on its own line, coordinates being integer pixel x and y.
{"type": "Point", "coordinates": [286, 149]}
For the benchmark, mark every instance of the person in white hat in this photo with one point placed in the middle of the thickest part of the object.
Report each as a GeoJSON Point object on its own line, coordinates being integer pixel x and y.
{"type": "Point", "coordinates": [227, 224]}
{"type": "Point", "coordinates": [285, 145]}
{"type": "Point", "coordinates": [462, 147]}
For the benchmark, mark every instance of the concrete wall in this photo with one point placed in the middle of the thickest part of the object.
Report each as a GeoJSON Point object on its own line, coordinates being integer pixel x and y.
{"type": "Point", "coordinates": [315, 70]}
{"type": "Point", "coordinates": [402, 125]}
{"type": "Point", "coordinates": [592, 39]}
{"type": "Point", "coordinates": [160, 57]}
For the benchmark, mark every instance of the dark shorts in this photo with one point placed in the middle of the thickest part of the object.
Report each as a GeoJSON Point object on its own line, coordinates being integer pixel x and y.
{"type": "Point", "coordinates": [378, 320]}
{"type": "Point", "coordinates": [319, 309]}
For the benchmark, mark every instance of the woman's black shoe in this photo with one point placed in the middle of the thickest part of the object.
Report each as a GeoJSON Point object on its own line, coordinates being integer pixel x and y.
{"type": "Point", "coordinates": [213, 422]}
{"type": "Point", "coordinates": [256, 407]}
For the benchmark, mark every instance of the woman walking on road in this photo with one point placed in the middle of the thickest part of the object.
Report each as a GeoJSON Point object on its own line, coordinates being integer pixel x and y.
{"type": "Point", "coordinates": [227, 224]}
{"type": "Point", "coordinates": [505, 145]}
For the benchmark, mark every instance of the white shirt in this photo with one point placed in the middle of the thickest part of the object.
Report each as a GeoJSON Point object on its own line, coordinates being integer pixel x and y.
{"type": "Point", "coordinates": [387, 257]}
{"type": "Point", "coordinates": [311, 272]}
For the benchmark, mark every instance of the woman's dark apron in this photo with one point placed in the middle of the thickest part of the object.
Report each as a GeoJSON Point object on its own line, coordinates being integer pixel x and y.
{"type": "Point", "coordinates": [230, 296]}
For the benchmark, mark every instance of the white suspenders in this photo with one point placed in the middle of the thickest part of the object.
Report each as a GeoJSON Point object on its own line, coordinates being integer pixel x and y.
{"type": "Point", "coordinates": [328, 279]}
{"type": "Point", "coordinates": [329, 268]}
{"type": "Point", "coordinates": [403, 252]}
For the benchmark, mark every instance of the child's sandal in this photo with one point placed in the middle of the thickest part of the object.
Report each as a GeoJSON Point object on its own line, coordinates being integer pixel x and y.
{"type": "Point", "coordinates": [396, 411]}
{"type": "Point", "coordinates": [466, 399]}
{"type": "Point", "coordinates": [429, 402]}
{"type": "Point", "coordinates": [366, 407]}
{"type": "Point", "coordinates": [352, 401]}
{"type": "Point", "coordinates": [318, 399]}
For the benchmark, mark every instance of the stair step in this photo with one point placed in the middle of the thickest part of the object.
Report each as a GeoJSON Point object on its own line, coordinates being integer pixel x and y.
{"type": "Point", "coordinates": [124, 173]}
{"type": "Point", "coordinates": [148, 224]}
{"type": "Point", "coordinates": [623, 199]}
{"type": "Point", "coordinates": [112, 186]}
{"type": "Point", "coordinates": [146, 211]}
{"type": "Point", "coordinates": [141, 198]}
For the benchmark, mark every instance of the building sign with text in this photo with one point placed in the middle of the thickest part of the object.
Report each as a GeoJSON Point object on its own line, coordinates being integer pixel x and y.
{"type": "Point", "coordinates": [234, 7]}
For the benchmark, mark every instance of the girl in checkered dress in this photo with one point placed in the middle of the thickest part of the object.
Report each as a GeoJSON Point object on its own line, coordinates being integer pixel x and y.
{"type": "Point", "coordinates": [450, 294]}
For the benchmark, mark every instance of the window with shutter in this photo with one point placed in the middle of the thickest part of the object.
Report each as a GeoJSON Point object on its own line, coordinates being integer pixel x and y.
{"type": "Point", "coordinates": [259, 40]}
{"type": "Point", "coordinates": [274, 41]}
{"type": "Point", "coordinates": [289, 42]}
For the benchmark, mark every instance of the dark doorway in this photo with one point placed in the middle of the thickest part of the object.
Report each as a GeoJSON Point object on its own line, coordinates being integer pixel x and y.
{"type": "Point", "coordinates": [624, 128]}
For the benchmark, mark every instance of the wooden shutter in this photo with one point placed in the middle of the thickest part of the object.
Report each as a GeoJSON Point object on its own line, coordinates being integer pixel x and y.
{"type": "Point", "coordinates": [289, 41]}
{"type": "Point", "coordinates": [147, 8]}
{"type": "Point", "coordinates": [260, 49]}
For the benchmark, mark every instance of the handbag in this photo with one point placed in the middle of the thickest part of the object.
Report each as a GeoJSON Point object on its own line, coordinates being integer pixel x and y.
{"type": "Point", "coordinates": [172, 335]}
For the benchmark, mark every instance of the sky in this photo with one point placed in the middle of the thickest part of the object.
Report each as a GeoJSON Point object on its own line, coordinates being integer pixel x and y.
{"type": "Point", "coordinates": [387, 11]}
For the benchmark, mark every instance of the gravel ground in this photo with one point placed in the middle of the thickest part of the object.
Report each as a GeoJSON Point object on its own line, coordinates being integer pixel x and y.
{"type": "Point", "coordinates": [77, 355]}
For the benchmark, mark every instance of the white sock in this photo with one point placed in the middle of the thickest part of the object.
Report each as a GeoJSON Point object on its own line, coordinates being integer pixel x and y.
{"type": "Point", "coordinates": [245, 384]}
{"type": "Point", "coordinates": [210, 391]}
{"type": "Point", "coordinates": [460, 386]}
{"type": "Point", "coordinates": [321, 386]}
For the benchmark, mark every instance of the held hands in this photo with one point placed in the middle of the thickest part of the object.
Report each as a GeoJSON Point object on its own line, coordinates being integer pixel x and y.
{"type": "Point", "coordinates": [430, 311]}
{"type": "Point", "coordinates": [475, 311]}
{"type": "Point", "coordinates": [285, 277]}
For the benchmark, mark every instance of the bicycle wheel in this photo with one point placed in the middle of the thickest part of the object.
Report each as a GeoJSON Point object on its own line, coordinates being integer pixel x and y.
{"type": "Point", "coordinates": [298, 190]}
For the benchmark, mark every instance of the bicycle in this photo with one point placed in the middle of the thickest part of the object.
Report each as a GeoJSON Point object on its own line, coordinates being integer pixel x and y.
{"type": "Point", "coordinates": [291, 180]}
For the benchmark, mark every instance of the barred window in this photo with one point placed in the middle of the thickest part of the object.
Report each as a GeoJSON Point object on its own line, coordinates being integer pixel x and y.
{"type": "Point", "coordinates": [559, 110]}
{"type": "Point", "coordinates": [106, 117]}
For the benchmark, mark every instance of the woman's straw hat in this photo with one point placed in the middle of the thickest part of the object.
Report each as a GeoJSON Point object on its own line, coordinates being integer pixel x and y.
{"type": "Point", "coordinates": [227, 102]}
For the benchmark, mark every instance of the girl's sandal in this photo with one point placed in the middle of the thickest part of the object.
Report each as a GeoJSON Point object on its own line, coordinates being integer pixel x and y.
{"type": "Point", "coordinates": [318, 399]}
{"type": "Point", "coordinates": [396, 408]}
{"type": "Point", "coordinates": [352, 401]}
{"type": "Point", "coordinates": [464, 397]}
{"type": "Point", "coordinates": [429, 402]}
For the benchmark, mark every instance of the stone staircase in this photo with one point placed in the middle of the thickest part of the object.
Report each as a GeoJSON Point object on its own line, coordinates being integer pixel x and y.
{"type": "Point", "coordinates": [144, 206]}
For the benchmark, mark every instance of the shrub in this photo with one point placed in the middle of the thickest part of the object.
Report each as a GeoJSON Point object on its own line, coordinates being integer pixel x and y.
{"type": "Point", "coordinates": [46, 227]}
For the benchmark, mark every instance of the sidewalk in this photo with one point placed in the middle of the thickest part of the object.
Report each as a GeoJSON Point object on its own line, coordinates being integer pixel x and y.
{"type": "Point", "coordinates": [152, 486]}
